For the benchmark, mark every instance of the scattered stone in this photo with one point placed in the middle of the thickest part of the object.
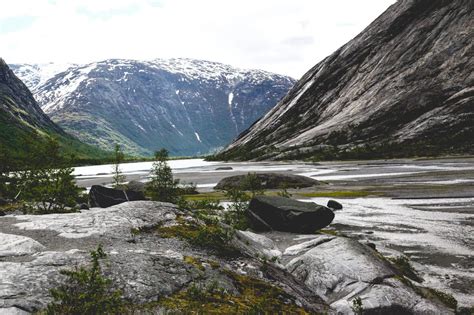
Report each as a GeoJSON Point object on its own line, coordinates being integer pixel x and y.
{"type": "Point", "coordinates": [269, 181]}
{"type": "Point", "coordinates": [224, 168]}
{"type": "Point", "coordinates": [104, 197]}
{"type": "Point", "coordinates": [84, 206]}
{"type": "Point", "coordinates": [334, 205]}
{"type": "Point", "coordinates": [284, 214]}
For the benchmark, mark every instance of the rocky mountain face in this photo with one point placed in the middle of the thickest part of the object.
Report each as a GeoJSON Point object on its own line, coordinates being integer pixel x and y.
{"type": "Point", "coordinates": [188, 106]}
{"type": "Point", "coordinates": [20, 115]}
{"type": "Point", "coordinates": [404, 86]}
{"type": "Point", "coordinates": [23, 121]}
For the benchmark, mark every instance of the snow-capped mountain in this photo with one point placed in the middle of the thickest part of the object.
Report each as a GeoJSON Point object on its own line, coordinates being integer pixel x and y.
{"type": "Point", "coordinates": [187, 106]}
{"type": "Point", "coordinates": [403, 87]}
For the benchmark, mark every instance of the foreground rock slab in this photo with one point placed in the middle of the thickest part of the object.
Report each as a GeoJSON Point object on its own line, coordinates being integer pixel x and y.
{"type": "Point", "coordinates": [285, 214]}
{"type": "Point", "coordinates": [143, 265]}
{"type": "Point", "coordinates": [340, 269]}
{"type": "Point", "coordinates": [268, 181]}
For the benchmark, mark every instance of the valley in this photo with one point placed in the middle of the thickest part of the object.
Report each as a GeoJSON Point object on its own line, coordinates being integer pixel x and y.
{"type": "Point", "coordinates": [422, 208]}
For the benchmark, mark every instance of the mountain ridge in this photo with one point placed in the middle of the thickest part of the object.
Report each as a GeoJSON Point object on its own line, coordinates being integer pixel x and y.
{"type": "Point", "coordinates": [22, 121]}
{"type": "Point", "coordinates": [200, 105]}
{"type": "Point", "coordinates": [404, 81]}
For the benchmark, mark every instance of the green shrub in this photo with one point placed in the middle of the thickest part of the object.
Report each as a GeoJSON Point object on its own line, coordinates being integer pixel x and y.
{"type": "Point", "coordinates": [162, 187]}
{"type": "Point", "coordinates": [86, 291]}
{"type": "Point", "coordinates": [47, 184]}
{"type": "Point", "coordinates": [357, 306]}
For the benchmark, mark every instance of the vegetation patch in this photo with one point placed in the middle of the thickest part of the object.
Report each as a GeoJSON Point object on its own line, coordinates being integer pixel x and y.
{"type": "Point", "coordinates": [433, 294]}
{"type": "Point", "coordinates": [86, 291]}
{"type": "Point", "coordinates": [211, 236]}
{"type": "Point", "coordinates": [254, 297]}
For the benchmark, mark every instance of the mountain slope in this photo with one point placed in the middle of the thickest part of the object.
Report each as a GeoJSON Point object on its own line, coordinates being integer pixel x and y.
{"type": "Point", "coordinates": [187, 106]}
{"type": "Point", "coordinates": [22, 120]}
{"type": "Point", "coordinates": [404, 86]}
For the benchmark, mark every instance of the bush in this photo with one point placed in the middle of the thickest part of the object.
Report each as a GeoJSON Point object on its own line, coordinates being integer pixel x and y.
{"type": "Point", "coordinates": [86, 291]}
{"type": "Point", "coordinates": [162, 187]}
{"type": "Point", "coordinates": [47, 185]}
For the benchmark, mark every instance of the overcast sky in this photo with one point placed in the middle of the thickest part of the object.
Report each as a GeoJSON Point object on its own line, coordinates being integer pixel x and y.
{"type": "Point", "coordinates": [282, 36]}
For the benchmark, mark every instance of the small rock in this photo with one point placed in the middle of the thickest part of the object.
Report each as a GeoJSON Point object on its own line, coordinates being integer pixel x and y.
{"type": "Point", "coordinates": [84, 206]}
{"type": "Point", "coordinates": [288, 215]}
{"type": "Point", "coordinates": [2, 213]}
{"type": "Point", "coordinates": [224, 168]}
{"type": "Point", "coordinates": [333, 204]}
{"type": "Point", "coordinates": [371, 245]}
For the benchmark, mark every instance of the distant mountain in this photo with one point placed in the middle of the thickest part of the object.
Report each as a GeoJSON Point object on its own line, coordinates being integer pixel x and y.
{"type": "Point", "coordinates": [22, 120]}
{"type": "Point", "coordinates": [404, 86]}
{"type": "Point", "coordinates": [188, 106]}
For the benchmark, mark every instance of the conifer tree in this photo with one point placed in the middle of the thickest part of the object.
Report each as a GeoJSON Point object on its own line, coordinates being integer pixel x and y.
{"type": "Point", "coordinates": [162, 187]}
{"type": "Point", "coordinates": [119, 178]}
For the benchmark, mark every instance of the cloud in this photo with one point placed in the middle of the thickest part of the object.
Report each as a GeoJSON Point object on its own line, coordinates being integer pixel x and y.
{"type": "Point", "coordinates": [283, 36]}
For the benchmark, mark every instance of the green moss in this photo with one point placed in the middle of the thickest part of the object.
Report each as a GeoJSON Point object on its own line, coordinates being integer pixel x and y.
{"type": "Point", "coordinates": [445, 298]}
{"type": "Point", "coordinates": [211, 236]}
{"type": "Point", "coordinates": [337, 194]}
{"type": "Point", "coordinates": [205, 196]}
{"type": "Point", "coordinates": [329, 232]}
{"type": "Point", "coordinates": [254, 297]}
{"type": "Point", "coordinates": [196, 262]}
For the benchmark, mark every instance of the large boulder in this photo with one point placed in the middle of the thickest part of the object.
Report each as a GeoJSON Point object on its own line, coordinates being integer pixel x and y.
{"type": "Point", "coordinates": [268, 181]}
{"type": "Point", "coordinates": [288, 215]}
{"type": "Point", "coordinates": [103, 197]}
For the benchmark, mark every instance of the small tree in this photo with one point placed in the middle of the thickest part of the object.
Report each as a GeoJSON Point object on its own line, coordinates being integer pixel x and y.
{"type": "Point", "coordinates": [162, 187]}
{"type": "Point", "coordinates": [119, 178]}
{"type": "Point", "coordinates": [48, 183]}
{"type": "Point", "coordinates": [86, 291]}
{"type": "Point", "coordinates": [253, 184]}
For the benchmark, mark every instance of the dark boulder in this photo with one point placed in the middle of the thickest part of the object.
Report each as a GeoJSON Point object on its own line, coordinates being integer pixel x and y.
{"type": "Point", "coordinates": [2, 213]}
{"type": "Point", "coordinates": [269, 181]}
{"type": "Point", "coordinates": [100, 196]}
{"type": "Point", "coordinates": [333, 204]}
{"type": "Point", "coordinates": [288, 215]}
{"type": "Point", "coordinates": [84, 206]}
{"type": "Point", "coordinates": [137, 186]}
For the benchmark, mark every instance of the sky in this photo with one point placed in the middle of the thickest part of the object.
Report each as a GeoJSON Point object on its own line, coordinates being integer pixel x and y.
{"type": "Point", "coordinates": [282, 36]}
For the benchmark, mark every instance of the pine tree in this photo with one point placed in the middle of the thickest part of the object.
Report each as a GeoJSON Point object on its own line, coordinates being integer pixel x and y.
{"type": "Point", "coordinates": [119, 178]}
{"type": "Point", "coordinates": [162, 187]}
